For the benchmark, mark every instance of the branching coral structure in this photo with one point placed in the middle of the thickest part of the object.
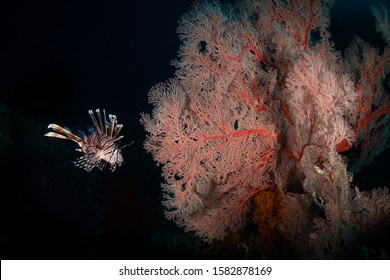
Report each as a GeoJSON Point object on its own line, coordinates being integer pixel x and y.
{"type": "Point", "coordinates": [261, 102]}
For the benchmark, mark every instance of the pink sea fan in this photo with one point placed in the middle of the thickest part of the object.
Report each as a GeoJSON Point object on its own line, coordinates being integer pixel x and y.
{"type": "Point", "coordinates": [258, 103]}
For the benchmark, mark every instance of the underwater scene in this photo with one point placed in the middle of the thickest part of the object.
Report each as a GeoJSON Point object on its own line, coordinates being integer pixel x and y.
{"type": "Point", "coordinates": [247, 129]}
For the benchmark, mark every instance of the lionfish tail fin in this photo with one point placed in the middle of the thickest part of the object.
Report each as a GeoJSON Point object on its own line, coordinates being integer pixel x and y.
{"type": "Point", "coordinates": [64, 133]}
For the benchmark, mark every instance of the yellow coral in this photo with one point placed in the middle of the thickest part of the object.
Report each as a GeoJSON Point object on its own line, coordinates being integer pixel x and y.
{"type": "Point", "coordinates": [266, 215]}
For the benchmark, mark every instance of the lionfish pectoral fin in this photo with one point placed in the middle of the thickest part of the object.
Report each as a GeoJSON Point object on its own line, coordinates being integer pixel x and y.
{"type": "Point", "coordinates": [89, 162]}
{"type": "Point", "coordinates": [56, 135]}
{"type": "Point", "coordinates": [64, 133]}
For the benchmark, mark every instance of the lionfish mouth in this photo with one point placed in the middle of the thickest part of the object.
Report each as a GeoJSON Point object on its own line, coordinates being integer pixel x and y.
{"type": "Point", "coordinates": [100, 147]}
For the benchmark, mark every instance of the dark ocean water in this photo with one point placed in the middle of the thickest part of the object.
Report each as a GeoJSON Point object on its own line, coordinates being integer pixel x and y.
{"type": "Point", "coordinates": [57, 60]}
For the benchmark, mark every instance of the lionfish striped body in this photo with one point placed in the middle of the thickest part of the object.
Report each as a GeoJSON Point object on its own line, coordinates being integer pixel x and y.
{"type": "Point", "coordinates": [100, 147]}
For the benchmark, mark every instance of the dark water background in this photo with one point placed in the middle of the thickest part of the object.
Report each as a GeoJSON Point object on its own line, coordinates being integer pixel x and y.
{"type": "Point", "coordinates": [57, 60]}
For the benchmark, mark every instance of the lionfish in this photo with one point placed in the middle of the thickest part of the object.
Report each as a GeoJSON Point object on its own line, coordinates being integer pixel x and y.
{"type": "Point", "coordinates": [100, 147]}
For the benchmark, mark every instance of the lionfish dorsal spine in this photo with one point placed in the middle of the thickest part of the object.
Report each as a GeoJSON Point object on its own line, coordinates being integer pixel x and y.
{"type": "Point", "coordinates": [102, 127]}
{"type": "Point", "coordinates": [113, 122]}
{"type": "Point", "coordinates": [118, 128]}
{"type": "Point", "coordinates": [95, 123]}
